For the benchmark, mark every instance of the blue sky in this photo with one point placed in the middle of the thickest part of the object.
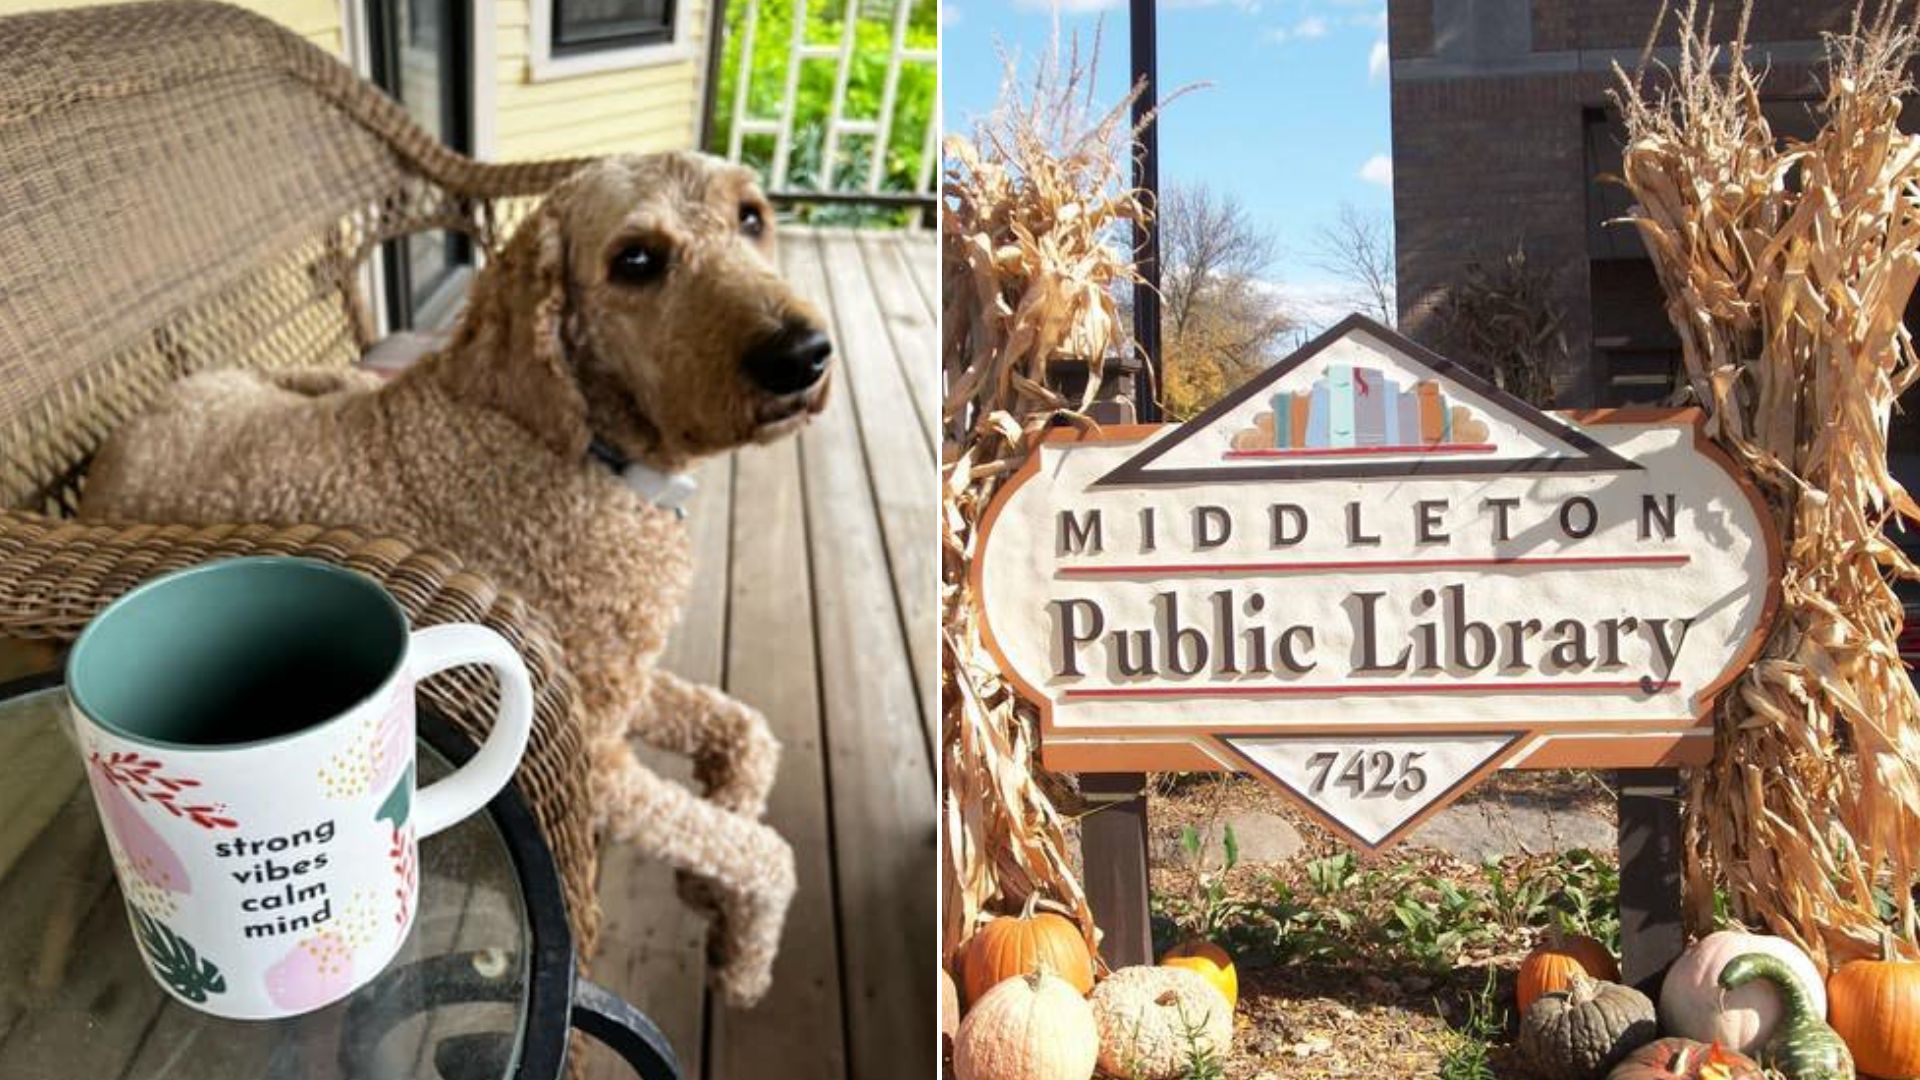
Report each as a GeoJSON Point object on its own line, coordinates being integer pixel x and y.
{"type": "Point", "coordinates": [1295, 122]}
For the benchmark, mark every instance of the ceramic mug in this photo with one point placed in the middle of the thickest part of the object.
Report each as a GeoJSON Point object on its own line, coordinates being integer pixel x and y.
{"type": "Point", "coordinates": [248, 732]}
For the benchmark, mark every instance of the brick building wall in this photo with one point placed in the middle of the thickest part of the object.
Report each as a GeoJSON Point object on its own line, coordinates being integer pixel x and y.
{"type": "Point", "coordinates": [1501, 121]}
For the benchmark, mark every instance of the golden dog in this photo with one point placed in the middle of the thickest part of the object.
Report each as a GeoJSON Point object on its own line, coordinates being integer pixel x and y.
{"type": "Point", "coordinates": [634, 324]}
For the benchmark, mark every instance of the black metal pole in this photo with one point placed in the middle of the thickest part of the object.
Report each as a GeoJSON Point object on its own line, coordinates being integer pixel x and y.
{"type": "Point", "coordinates": [717, 55]}
{"type": "Point", "coordinates": [1652, 929]}
{"type": "Point", "coordinates": [1146, 234]}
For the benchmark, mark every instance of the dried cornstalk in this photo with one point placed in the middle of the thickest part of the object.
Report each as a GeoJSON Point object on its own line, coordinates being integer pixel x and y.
{"type": "Point", "coordinates": [1787, 268]}
{"type": "Point", "coordinates": [1030, 245]}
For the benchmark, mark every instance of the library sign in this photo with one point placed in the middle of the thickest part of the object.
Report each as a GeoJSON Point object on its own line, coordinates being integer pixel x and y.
{"type": "Point", "coordinates": [1373, 579]}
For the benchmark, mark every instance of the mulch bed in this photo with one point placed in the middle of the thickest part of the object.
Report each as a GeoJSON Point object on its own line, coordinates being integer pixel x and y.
{"type": "Point", "coordinates": [1360, 1018]}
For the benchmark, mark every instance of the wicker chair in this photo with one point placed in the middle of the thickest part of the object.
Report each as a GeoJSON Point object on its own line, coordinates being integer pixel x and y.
{"type": "Point", "coordinates": [186, 186]}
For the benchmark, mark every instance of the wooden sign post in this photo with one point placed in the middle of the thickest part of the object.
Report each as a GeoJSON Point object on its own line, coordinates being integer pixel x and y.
{"type": "Point", "coordinates": [1372, 579]}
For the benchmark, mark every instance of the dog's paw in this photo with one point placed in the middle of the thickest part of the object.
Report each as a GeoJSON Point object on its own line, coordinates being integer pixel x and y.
{"type": "Point", "coordinates": [740, 764]}
{"type": "Point", "coordinates": [744, 939]}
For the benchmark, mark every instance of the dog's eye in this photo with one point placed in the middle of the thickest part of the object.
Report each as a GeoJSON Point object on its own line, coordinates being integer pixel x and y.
{"type": "Point", "coordinates": [751, 221]}
{"type": "Point", "coordinates": [638, 264]}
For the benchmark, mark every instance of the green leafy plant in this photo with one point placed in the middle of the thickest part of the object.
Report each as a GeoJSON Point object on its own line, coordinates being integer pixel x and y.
{"type": "Point", "coordinates": [1468, 1055]}
{"type": "Point", "coordinates": [1208, 905]}
{"type": "Point", "coordinates": [1332, 909]}
{"type": "Point", "coordinates": [174, 961]}
{"type": "Point", "coordinates": [1203, 1058]}
{"type": "Point", "coordinates": [902, 160]}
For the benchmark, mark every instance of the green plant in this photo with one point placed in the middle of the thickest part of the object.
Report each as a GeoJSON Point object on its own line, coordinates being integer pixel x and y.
{"type": "Point", "coordinates": [1207, 901]}
{"type": "Point", "coordinates": [1468, 1055]}
{"type": "Point", "coordinates": [902, 160]}
{"type": "Point", "coordinates": [1203, 1059]}
{"type": "Point", "coordinates": [1333, 909]}
{"type": "Point", "coordinates": [1331, 875]}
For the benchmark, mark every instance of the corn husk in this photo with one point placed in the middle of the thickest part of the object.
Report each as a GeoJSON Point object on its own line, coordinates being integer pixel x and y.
{"type": "Point", "coordinates": [1036, 205]}
{"type": "Point", "coordinates": [1787, 269]}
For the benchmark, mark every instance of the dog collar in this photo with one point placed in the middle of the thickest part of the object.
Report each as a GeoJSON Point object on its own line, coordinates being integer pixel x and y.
{"type": "Point", "coordinates": [668, 491]}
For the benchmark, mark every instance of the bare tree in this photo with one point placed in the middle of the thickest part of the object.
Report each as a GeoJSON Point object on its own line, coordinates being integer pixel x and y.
{"type": "Point", "coordinates": [1206, 240]}
{"type": "Point", "coordinates": [1220, 320]}
{"type": "Point", "coordinates": [1357, 247]}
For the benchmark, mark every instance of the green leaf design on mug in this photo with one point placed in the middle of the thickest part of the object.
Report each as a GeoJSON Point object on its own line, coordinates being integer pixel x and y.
{"type": "Point", "coordinates": [174, 961]}
{"type": "Point", "coordinates": [399, 802]}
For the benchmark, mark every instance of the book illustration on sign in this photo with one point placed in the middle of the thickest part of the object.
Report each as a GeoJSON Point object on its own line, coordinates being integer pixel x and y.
{"type": "Point", "coordinates": [1361, 401]}
{"type": "Point", "coordinates": [1353, 411]}
{"type": "Point", "coordinates": [1380, 613]}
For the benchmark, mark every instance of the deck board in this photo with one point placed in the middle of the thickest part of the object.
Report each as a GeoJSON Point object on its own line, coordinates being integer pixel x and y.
{"type": "Point", "coordinates": [813, 603]}
{"type": "Point", "coordinates": [904, 494]}
{"type": "Point", "coordinates": [881, 795]}
{"type": "Point", "coordinates": [797, 1032]}
{"type": "Point", "coordinates": [910, 326]}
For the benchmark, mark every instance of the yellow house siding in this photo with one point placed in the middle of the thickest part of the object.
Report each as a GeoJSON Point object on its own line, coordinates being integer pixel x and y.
{"type": "Point", "coordinates": [316, 20]}
{"type": "Point", "coordinates": [648, 108]}
{"type": "Point", "coordinates": [656, 107]}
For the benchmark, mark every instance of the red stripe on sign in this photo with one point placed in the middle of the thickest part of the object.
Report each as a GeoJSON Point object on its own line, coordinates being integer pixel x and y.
{"type": "Point", "coordinates": [1598, 561]}
{"type": "Point", "coordinates": [1360, 451]}
{"type": "Point", "coordinates": [1143, 692]}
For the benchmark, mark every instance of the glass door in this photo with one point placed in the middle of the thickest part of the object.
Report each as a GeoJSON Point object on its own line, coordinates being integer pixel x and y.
{"type": "Point", "coordinates": [422, 55]}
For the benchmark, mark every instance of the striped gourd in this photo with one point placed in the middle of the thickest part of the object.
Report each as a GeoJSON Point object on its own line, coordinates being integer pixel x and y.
{"type": "Point", "coordinates": [1803, 1047]}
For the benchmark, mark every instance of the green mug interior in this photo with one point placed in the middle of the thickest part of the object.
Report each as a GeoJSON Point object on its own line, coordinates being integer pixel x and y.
{"type": "Point", "coordinates": [236, 651]}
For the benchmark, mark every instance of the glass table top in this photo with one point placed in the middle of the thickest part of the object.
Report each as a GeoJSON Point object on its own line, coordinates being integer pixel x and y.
{"type": "Point", "coordinates": [76, 1000]}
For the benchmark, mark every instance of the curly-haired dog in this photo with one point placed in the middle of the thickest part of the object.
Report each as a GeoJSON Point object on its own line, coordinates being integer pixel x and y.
{"type": "Point", "coordinates": [633, 324]}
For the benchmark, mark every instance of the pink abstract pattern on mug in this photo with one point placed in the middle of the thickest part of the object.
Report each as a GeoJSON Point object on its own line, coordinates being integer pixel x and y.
{"type": "Point", "coordinates": [381, 747]}
{"type": "Point", "coordinates": [317, 970]}
{"type": "Point", "coordinates": [152, 873]}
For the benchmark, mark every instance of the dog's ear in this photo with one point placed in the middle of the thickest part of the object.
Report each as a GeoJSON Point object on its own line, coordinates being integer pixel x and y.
{"type": "Point", "coordinates": [517, 317]}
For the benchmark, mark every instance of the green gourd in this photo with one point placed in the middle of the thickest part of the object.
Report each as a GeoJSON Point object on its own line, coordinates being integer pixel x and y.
{"type": "Point", "coordinates": [1803, 1047]}
{"type": "Point", "coordinates": [1582, 1032]}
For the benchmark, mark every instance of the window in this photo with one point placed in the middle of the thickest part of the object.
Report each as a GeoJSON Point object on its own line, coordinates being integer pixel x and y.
{"type": "Point", "coordinates": [589, 25]}
{"type": "Point", "coordinates": [579, 37]}
{"type": "Point", "coordinates": [422, 53]}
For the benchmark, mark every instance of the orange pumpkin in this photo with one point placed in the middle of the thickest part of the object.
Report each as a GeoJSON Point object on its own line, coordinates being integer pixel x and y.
{"type": "Point", "coordinates": [1211, 961]}
{"type": "Point", "coordinates": [1550, 967]}
{"type": "Point", "coordinates": [1875, 1006]}
{"type": "Point", "coordinates": [1022, 944]}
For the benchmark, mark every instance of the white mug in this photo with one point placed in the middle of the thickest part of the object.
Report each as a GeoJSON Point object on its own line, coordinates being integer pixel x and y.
{"type": "Point", "coordinates": [248, 732]}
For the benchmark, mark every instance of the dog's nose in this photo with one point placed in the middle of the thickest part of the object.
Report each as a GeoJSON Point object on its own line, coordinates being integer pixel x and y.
{"type": "Point", "coordinates": [789, 361]}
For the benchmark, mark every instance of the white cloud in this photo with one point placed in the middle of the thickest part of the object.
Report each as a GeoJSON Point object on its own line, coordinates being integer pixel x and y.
{"type": "Point", "coordinates": [949, 14]}
{"type": "Point", "coordinates": [1307, 29]}
{"type": "Point", "coordinates": [1378, 61]}
{"type": "Point", "coordinates": [1378, 170]}
{"type": "Point", "coordinates": [1314, 305]}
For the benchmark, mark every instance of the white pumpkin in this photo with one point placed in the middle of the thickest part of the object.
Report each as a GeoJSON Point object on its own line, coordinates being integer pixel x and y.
{"type": "Point", "coordinates": [1143, 1014]}
{"type": "Point", "coordinates": [1029, 1027]}
{"type": "Point", "coordinates": [1693, 1006]}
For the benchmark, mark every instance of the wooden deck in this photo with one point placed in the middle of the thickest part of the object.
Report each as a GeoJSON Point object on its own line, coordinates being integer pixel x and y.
{"type": "Point", "coordinates": [815, 602]}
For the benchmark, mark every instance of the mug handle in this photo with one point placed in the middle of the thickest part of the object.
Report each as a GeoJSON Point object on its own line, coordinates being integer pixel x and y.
{"type": "Point", "coordinates": [460, 793]}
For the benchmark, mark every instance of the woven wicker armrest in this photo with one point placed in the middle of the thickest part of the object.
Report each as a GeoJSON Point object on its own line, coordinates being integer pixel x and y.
{"type": "Point", "coordinates": [55, 575]}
